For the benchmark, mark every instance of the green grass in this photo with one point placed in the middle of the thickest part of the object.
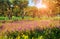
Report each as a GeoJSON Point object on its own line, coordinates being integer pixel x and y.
{"type": "Point", "coordinates": [53, 33]}
{"type": "Point", "coordinates": [30, 18]}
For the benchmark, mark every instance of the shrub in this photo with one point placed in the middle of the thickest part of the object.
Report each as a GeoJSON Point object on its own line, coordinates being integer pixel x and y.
{"type": "Point", "coordinates": [53, 33]}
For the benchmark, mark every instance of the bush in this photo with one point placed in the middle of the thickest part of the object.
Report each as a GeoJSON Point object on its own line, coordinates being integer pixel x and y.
{"type": "Point", "coordinates": [53, 33]}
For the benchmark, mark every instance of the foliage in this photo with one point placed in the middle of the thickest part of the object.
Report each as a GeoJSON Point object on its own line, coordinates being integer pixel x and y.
{"type": "Point", "coordinates": [13, 9]}
{"type": "Point", "coordinates": [53, 33]}
{"type": "Point", "coordinates": [21, 8]}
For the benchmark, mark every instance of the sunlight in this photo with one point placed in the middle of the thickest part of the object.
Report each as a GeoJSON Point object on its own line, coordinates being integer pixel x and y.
{"type": "Point", "coordinates": [41, 6]}
{"type": "Point", "coordinates": [37, 3]}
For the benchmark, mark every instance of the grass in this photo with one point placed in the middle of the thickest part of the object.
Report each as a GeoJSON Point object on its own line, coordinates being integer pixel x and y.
{"type": "Point", "coordinates": [48, 33]}
{"type": "Point", "coordinates": [53, 33]}
{"type": "Point", "coordinates": [30, 18]}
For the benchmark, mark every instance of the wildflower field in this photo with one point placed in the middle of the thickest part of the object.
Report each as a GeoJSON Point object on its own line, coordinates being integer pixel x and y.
{"type": "Point", "coordinates": [30, 29]}
{"type": "Point", "coordinates": [29, 19]}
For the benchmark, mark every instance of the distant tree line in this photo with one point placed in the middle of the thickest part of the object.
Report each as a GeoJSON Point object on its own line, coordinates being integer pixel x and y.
{"type": "Point", "coordinates": [21, 8]}
{"type": "Point", "coordinates": [13, 9]}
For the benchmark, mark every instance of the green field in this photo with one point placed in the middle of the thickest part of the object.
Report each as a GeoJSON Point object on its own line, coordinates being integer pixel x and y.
{"type": "Point", "coordinates": [30, 18]}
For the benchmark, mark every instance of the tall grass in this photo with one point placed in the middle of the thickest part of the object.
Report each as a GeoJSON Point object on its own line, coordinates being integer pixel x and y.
{"type": "Point", "coordinates": [53, 33]}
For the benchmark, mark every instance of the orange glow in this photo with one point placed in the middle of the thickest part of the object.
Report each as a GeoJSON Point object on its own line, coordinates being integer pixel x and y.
{"type": "Point", "coordinates": [41, 6]}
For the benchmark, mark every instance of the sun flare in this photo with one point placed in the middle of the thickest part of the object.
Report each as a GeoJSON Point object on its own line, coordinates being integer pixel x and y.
{"type": "Point", "coordinates": [41, 6]}
{"type": "Point", "coordinates": [37, 3]}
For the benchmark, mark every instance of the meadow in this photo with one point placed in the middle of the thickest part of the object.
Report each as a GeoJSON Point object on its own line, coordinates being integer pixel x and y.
{"type": "Point", "coordinates": [29, 19]}
{"type": "Point", "coordinates": [30, 28]}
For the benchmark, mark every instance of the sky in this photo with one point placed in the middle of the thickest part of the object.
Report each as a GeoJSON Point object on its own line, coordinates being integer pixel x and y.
{"type": "Point", "coordinates": [37, 2]}
{"type": "Point", "coordinates": [31, 3]}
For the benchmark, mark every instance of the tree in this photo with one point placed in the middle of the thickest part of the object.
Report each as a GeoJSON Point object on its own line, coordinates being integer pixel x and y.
{"type": "Point", "coordinates": [31, 11]}
{"type": "Point", "coordinates": [16, 11]}
{"type": "Point", "coordinates": [23, 4]}
{"type": "Point", "coordinates": [20, 5]}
